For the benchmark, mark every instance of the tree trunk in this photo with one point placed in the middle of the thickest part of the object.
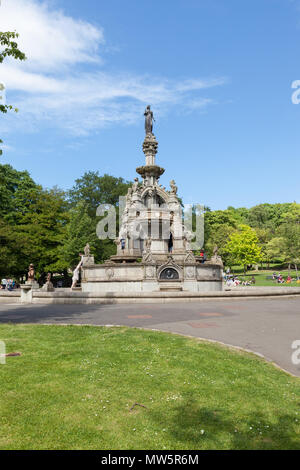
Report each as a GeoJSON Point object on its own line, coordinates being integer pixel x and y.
{"type": "Point", "coordinates": [296, 267]}
{"type": "Point", "coordinates": [289, 269]}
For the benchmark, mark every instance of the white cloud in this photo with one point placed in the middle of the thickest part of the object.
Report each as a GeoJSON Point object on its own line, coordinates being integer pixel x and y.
{"type": "Point", "coordinates": [50, 38]}
{"type": "Point", "coordinates": [50, 86]}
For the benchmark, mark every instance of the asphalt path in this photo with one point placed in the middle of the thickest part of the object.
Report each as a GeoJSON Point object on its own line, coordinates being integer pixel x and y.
{"type": "Point", "coordinates": [265, 326]}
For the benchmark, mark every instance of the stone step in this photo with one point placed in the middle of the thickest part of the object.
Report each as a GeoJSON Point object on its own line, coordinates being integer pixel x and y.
{"type": "Point", "coordinates": [170, 286]}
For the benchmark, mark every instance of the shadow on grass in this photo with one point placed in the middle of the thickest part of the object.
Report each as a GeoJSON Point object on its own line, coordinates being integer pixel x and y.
{"type": "Point", "coordinates": [194, 427]}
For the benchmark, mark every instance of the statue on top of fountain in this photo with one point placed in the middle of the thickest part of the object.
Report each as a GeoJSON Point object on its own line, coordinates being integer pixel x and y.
{"type": "Point", "coordinates": [148, 120]}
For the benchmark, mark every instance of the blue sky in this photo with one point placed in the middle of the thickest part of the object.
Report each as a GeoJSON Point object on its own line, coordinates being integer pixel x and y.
{"type": "Point", "coordinates": [217, 73]}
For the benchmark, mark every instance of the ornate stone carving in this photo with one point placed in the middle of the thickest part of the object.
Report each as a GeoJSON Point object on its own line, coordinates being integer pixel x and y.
{"type": "Point", "coordinates": [135, 186]}
{"type": "Point", "coordinates": [173, 187]}
{"type": "Point", "coordinates": [170, 264]}
{"type": "Point", "coordinates": [187, 239]}
{"type": "Point", "coordinates": [148, 258]}
{"type": "Point", "coordinates": [150, 145]}
{"type": "Point", "coordinates": [190, 258]}
{"type": "Point", "coordinates": [150, 272]}
{"type": "Point", "coordinates": [87, 250]}
{"type": "Point", "coordinates": [148, 242]}
{"type": "Point", "coordinates": [48, 286]}
{"type": "Point", "coordinates": [190, 272]}
{"type": "Point", "coordinates": [31, 273]}
{"type": "Point", "coordinates": [216, 259]}
{"type": "Point", "coordinates": [109, 273]}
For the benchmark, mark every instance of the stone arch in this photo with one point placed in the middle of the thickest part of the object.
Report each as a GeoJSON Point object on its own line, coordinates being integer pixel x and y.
{"type": "Point", "coordinates": [169, 274]}
{"type": "Point", "coordinates": [174, 268]}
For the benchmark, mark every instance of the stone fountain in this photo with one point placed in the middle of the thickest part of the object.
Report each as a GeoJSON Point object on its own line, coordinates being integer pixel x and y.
{"type": "Point", "coordinates": [154, 246]}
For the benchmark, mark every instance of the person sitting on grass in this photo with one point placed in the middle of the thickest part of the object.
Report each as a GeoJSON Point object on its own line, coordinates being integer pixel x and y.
{"type": "Point", "coordinates": [280, 279]}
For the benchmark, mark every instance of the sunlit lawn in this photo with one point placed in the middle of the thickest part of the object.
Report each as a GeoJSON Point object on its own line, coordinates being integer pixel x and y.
{"type": "Point", "coordinates": [73, 387]}
{"type": "Point", "coordinates": [262, 275]}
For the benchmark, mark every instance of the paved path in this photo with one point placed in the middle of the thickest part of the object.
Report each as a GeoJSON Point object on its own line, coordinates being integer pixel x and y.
{"type": "Point", "coordinates": [266, 326]}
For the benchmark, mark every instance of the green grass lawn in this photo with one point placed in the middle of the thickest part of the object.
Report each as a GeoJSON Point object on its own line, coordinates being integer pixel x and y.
{"type": "Point", "coordinates": [261, 277]}
{"type": "Point", "coordinates": [73, 387]}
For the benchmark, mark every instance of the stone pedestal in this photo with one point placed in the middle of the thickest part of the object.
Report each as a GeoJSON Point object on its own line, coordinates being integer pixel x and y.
{"type": "Point", "coordinates": [88, 260]}
{"type": "Point", "coordinates": [48, 287]}
{"type": "Point", "coordinates": [26, 293]}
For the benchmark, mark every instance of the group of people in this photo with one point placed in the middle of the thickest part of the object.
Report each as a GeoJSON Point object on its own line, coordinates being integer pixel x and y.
{"type": "Point", "coordinates": [233, 281]}
{"type": "Point", "coordinates": [8, 284]}
{"type": "Point", "coordinates": [280, 279]}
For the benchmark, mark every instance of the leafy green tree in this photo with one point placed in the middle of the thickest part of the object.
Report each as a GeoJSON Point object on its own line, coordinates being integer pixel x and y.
{"type": "Point", "coordinates": [218, 225]}
{"type": "Point", "coordinates": [43, 228]}
{"type": "Point", "coordinates": [9, 48]}
{"type": "Point", "coordinates": [32, 223]}
{"type": "Point", "coordinates": [93, 190]}
{"type": "Point", "coordinates": [275, 250]}
{"type": "Point", "coordinates": [17, 192]}
{"type": "Point", "coordinates": [80, 230]}
{"type": "Point", "coordinates": [290, 231]}
{"type": "Point", "coordinates": [240, 214]}
{"type": "Point", "coordinates": [243, 246]}
{"type": "Point", "coordinates": [267, 216]}
{"type": "Point", "coordinates": [219, 237]}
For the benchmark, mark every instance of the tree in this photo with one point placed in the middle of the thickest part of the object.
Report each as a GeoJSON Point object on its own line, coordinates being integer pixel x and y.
{"type": "Point", "coordinates": [80, 230]}
{"type": "Point", "coordinates": [243, 246]}
{"type": "Point", "coordinates": [93, 190]}
{"type": "Point", "coordinates": [267, 216]}
{"type": "Point", "coordinates": [43, 228]}
{"type": "Point", "coordinates": [264, 235]}
{"type": "Point", "coordinates": [219, 237]}
{"type": "Point", "coordinates": [17, 192]}
{"type": "Point", "coordinates": [290, 230]}
{"type": "Point", "coordinates": [9, 49]}
{"type": "Point", "coordinates": [32, 223]}
{"type": "Point", "coordinates": [275, 250]}
{"type": "Point", "coordinates": [218, 225]}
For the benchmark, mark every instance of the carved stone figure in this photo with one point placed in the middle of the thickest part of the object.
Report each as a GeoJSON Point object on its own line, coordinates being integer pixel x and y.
{"type": "Point", "coordinates": [76, 274]}
{"type": "Point", "coordinates": [117, 241]}
{"type": "Point", "coordinates": [148, 120]}
{"type": "Point", "coordinates": [215, 251]}
{"type": "Point", "coordinates": [48, 286]}
{"type": "Point", "coordinates": [31, 272]}
{"type": "Point", "coordinates": [109, 273]}
{"type": "Point", "coordinates": [187, 238]}
{"type": "Point", "coordinates": [128, 196]}
{"type": "Point", "coordinates": [135, 185]}
{"type": "Point", "coordinates": [216, 258]}
{"type": "Point", "coordinates": [148, 242]}
{"type": "Point", "coordinates": [173, 187]}
{"type": "Point", "coordinates": [87, 250]}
